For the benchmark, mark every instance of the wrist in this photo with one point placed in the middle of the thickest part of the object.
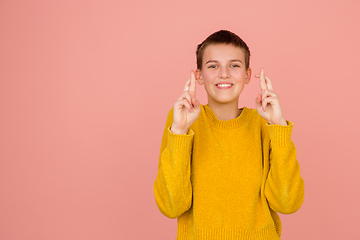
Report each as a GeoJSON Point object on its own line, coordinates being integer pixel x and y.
{"type": "Point", "coordinates": [280, 122]}
{"type": "Point", "coordinates": [179, 131]}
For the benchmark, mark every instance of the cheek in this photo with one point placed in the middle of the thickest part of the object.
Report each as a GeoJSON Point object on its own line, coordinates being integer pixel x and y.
{"type": "Point", "coordinates": [239, 76]}
{"type": "Point", "coordinates": [209, 76]}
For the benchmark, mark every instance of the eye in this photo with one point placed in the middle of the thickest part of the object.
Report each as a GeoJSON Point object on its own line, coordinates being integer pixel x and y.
{"type": "Point", "coordinates": [235, 65]}
{"type": "Point", "coordinates": [212, 66]}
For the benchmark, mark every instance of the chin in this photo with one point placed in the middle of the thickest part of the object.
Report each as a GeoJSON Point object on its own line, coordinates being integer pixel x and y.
{"type": "Point", "coordinates": [225, 100]}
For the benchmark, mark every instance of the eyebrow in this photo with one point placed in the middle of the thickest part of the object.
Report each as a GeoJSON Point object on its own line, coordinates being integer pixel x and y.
{"type": "Point", "coordinates": [215, 61]}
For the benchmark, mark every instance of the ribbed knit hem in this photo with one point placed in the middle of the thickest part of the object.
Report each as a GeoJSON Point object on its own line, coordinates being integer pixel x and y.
{"type": "Point", "coordinates": [180, 141]}
{"type": "Point", "coordinates": [280, 135]}
{"type": "Point", "coordinates": [189, 133]}
{"type": "Point", "coordinates": [184, 233]}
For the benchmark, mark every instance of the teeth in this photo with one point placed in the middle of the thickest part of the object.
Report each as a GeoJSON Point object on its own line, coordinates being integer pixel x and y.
{"type": "Point", "coordinates": [224, 85]}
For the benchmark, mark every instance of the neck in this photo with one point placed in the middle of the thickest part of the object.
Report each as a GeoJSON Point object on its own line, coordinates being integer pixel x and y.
{"type": "Point", "coordinates": [225, 111]}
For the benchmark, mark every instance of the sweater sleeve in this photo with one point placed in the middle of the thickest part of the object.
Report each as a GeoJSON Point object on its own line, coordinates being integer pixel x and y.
{"type": "Point", "coordinates": [172, 187]}
{"type": "Point", "coordinates": [284, 187]}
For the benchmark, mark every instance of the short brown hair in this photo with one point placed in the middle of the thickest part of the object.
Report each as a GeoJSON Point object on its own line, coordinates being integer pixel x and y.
{"type": "Point", "coordinates": [222, 37]}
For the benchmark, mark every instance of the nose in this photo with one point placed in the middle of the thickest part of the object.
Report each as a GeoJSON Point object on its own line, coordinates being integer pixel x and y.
{"type": "Point", "coordinates": [224, 72]}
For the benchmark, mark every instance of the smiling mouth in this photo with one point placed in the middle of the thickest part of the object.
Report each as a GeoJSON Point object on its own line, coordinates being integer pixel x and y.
{"type": "Point", "coordinates": [224, 85]}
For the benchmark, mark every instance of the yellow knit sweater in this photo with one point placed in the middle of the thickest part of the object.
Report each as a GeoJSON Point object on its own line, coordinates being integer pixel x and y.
{"type": "Point", "coordinates": [227, 179]}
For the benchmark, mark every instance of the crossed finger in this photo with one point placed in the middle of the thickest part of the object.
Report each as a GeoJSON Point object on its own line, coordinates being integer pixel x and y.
{"type": "Point", "coordinates": [187, 85]}
{"type": "Point", "coordinates": [192, 89]}
{"type": "Point", "coordinates": [265, 82]}
{"type": "Point", "coordinates": [269, 83]}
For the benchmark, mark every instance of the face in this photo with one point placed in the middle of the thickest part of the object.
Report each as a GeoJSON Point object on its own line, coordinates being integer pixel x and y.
{"type": "Point", "coordinates": [223, 73]}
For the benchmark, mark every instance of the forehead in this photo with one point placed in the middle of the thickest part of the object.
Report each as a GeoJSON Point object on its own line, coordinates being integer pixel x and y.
{"type": "Point", "coordinates": [223, 53]}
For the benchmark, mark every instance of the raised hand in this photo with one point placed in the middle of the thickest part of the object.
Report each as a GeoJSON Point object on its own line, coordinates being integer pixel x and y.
{"type": "Point", "coordinates": [267, 103]}
{"type": "Point", "coordinates": [186, 108]}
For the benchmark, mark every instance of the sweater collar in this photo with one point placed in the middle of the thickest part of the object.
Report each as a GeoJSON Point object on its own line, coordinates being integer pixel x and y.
{"type": "Point", "coordinates": [232, 123]}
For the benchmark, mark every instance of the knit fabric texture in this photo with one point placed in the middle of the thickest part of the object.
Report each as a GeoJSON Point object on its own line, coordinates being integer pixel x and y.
{"type": "Point", "coordinates": [228, 179]}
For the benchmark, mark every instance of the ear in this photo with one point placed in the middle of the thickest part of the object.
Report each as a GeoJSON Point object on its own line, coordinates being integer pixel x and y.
{"type": "Point", "coordinates": [198, 77]}
{"type": "Point", "coordinates": [248, 75]}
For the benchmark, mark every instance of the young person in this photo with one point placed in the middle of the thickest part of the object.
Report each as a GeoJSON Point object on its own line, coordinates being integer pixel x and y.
{"type": "Point", "coordinates": [225, 172]}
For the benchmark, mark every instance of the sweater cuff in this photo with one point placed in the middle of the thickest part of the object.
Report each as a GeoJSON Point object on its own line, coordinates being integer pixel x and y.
{"type": "Point", "coordinates": [280, 135]}
{"type": "Point", "coordinates": [180, 142]}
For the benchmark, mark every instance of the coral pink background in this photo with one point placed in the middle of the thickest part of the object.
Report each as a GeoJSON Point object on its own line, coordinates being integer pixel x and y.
{"type": "Point", "coordinates": [85, 87]}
